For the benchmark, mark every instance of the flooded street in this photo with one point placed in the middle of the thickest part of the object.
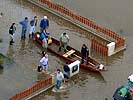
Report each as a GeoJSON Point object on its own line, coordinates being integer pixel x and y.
{"type": "Point", "coordinates": [23, 57]}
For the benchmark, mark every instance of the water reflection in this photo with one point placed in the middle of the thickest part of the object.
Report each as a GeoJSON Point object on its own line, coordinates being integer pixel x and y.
{"type": "Point", "coordinates": [10, 51]}
{"type": "Point", "coordinates": [48, 95]}
{"type": "Point", "coordinates": [30, 43]}
{"type": "Point", "coordinates": [108, 60]}
{"type": "Point", "coordinates": [22, 45]}
{"type": "Point", "coordinates": [22, 51]}
{"type": "Point", "coordinates": [1, 58]}
{"type": "Point", "coordinates": [98, 76]}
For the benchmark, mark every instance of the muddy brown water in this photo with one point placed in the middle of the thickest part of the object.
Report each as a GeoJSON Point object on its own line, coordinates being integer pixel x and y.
{"type": "Point", "coordinates": [18, 74]}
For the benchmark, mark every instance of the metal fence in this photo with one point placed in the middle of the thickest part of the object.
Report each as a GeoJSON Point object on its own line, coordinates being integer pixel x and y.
{"type": "Point", "coordinates": [34, 88]}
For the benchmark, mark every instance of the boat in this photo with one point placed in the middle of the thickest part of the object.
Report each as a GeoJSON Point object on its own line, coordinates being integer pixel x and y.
{"type": "Point", "coordinates": [71, 55]}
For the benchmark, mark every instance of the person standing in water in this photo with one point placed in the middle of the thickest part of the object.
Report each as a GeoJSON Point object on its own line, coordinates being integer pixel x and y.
{"type": "Point", "coordinates": [24, 24]}
{"type": "Point", "coordinates": [66, 72]}
{"type": "Point", "coordinates": [44, 62]}
{"type": "Point", "coordinates": [59, 78]}
{"type": "Point", "coordinates": [33, 24]}
{"type": "Point", "coordinates": [12, 30]}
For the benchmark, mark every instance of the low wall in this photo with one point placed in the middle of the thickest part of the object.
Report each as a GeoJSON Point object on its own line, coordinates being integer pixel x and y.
{"type": "Point", "coordinates": [83, 23]}
{"type": "Point", "coordinates": [34, 90]}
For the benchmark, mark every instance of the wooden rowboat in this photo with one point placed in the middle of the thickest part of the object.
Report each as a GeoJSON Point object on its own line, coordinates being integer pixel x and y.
{"type": "Point", "coordinates": [71, 55]}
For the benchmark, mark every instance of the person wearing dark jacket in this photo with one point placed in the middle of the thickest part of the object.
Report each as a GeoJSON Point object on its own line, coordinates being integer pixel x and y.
{"type": "Point", "coordinates": [66, 72]}
{"type": "Point", "coordinates": [87, 55]}
{"type": "Point", "coordinates": [12, 30]}
{"type": "Point", "coordinates": [33, 24]}
{"type": "Point", "coordinates": [44, 24]}
{"type": "Point", "coordinates": [84, 53]}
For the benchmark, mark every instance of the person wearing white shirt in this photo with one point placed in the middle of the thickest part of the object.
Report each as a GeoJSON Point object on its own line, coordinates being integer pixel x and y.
{"type": "Point", "coordinates": [44, 62]}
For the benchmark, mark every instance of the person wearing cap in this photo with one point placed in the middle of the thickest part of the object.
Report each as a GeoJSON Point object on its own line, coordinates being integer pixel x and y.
{"type": "Point", "coordinates": [64, 39]}
{"type": "Point", "coordinates": [59, 78]}
{"type": "Point", "coordinates": [44, 62]}
{"type": "Point", "coordinates": [44, 24]}
{"type": "Point", "coordinates": [24, 24]}
{"type": "Point", "coordinates": [33, 23]}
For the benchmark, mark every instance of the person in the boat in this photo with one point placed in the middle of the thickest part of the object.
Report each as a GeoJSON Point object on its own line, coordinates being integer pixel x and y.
{"type": "Point", "coordinates": [33, 24]}
{"type": "Point", "coordinates": [44, 24]}
{"type": "Point", "coordinates": [64, 39]}
{"type": "Point", "coordinates": [66, 72]}
{"type": "Point", "coordinates": [84, 54]}
{"type": "Point", "coordinates": [44, 37]}
{"type": "Point", "coordinates": [44, 62]}
{"type": "Point", "coordinates": [59, 78]}
{"type": "Point", "coordinates": [101, 67]}
{"type": "Point", "coordinates": [87, 56]}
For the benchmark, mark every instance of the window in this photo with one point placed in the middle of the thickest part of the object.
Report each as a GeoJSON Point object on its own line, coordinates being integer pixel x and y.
{"type": "Point", "coordinates": [74, 68]}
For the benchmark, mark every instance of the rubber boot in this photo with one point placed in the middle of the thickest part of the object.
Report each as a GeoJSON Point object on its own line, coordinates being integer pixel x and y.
{"type": "Point", "coordinates": [29, 35]}
{"type": "Point", "coordinates": [24, 36]}
{"type": "Point", "coordinates": [11, 43]}
{"type": "Point", "coordinates": [33, 36]}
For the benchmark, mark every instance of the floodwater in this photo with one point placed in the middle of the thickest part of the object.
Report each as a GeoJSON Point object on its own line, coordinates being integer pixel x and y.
{"type": "Point", "coordinates": [23, 57]}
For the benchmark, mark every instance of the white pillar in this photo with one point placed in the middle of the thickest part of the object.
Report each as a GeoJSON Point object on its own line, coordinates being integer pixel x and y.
{"type": "Point", "coordinates": [111, 48]}
{"type": "Point", "coordinates": [53, 78]}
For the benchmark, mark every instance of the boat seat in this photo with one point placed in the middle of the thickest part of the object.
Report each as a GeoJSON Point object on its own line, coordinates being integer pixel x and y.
{"type": "Point", "coordinates": [69, 53]}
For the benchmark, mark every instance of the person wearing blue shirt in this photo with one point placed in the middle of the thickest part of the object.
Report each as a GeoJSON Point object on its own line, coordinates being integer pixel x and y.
{"type": "Point", "coordinates": [24, 24]}
{"type": "Point", "coordinates": [43, 37]}
{"type": "Point", "coordinates": [44, 24]}
{"type": "Point", "coordinates": [66, 72]}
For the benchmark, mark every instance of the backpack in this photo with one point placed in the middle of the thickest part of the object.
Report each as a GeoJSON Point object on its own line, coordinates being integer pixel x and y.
{"type": "Point", "coordinates": [39, 68]}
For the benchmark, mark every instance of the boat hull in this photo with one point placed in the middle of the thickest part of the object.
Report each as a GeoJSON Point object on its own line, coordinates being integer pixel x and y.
{"type": "Point", "coordinates": [93, 63]}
